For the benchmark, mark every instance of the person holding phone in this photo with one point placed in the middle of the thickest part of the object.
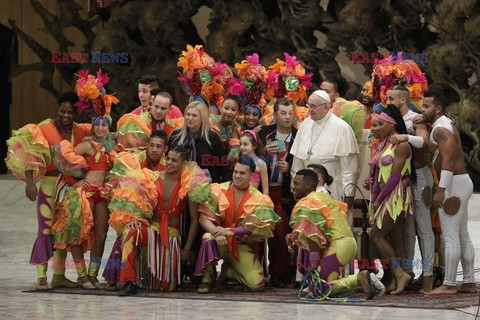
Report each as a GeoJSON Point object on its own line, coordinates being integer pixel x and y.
{"type": "Point", "coordinates": [278, 139]}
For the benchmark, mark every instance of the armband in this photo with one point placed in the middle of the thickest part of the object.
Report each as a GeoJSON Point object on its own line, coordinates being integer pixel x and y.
{"type": "Point", "coordinates": [415, 141]}
{"type": "Point", "coordinates": [446, 178]}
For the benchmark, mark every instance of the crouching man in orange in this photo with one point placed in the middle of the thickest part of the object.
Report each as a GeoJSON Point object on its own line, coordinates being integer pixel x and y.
{"type": "Point", "coordinates": [235, 215]}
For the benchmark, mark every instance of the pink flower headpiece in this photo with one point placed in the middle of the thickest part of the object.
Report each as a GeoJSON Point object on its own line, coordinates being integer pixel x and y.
{"type": "Point", "coordinates": [92, 95]}
{"type": "Point", "coordinates": [254, 77]}
{"type": "Point", "coordinates": [394, 70]}
{"type": "Point", "coordinates": [288, 79]}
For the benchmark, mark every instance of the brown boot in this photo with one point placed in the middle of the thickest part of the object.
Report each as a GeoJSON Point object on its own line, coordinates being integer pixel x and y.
{"type": "Point", "coordinates": [402, 279]}
{"type": "Point", "coordinates": [85, 283]}
{"type": "Point", "coordinates": [42, 284]}
{"type": "Point", "coordinates": [427, 284]}
{"type": "Point", "coordinates": [204, 288]}
{"type": "Point", "coordinates": [96, 283]}
{"type": "Point", "coordinates": [391, 286]}
{"type": "Point", "coordinates": [111, 286]}
{"type": "Point", "coordinates": [60, 281]}
{"type": "Point", "coordinates": [364, 281]}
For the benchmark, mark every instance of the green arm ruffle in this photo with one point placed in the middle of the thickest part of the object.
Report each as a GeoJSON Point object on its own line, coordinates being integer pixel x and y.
{"type": "Point", "coordinates": [309, 226]}
{"type": "Point", "coordinates": [28, 150]}
{"type": "Point", "coordinates": [261, 222]}
{"type": "Point", "coordinates": [209, 210]}
{"type": "Point", "coordinates": [199, 193]}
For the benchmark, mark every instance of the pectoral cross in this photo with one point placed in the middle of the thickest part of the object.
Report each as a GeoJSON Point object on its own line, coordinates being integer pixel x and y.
{"type": "Point", "coordinates": [309, 153]}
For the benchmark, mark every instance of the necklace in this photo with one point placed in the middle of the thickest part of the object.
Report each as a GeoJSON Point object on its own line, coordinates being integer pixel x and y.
{"type": "Point", "coordinates": [241, 189]}
{"type": "Point", "coordinates": [312, 142]}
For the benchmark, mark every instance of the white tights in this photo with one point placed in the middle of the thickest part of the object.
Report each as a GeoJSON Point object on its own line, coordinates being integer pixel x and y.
{"type": "Point", "coordinates": [421, 216]}
{"type": "Point", "coordinates": [455, 233]}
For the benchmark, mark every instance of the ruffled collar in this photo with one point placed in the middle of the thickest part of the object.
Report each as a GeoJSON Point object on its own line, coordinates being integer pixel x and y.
{"type": "Point", "coordinates": [108, 142]}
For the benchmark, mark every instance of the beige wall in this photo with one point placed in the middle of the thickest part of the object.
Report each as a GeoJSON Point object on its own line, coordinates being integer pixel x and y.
{"type": "Point", "coordinates": [32, 104]}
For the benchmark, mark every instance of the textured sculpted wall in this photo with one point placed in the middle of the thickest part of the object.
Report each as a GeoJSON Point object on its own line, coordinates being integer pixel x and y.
{"type": "Point", "coordinates": [153, 33]}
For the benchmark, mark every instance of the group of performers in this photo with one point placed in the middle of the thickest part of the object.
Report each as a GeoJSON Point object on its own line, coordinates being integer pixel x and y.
{"type": "Point", "coordinates": [251, 160]}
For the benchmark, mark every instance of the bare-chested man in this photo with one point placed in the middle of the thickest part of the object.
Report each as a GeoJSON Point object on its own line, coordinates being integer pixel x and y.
{"type": "Point", "coordinates": [454, 191]}
{"type": "Point", "coordinates": [174, 190]}
{"type": "Point", "coordinates": [422, 190]}
{"type": "Point", "coordinates": [152, 158]}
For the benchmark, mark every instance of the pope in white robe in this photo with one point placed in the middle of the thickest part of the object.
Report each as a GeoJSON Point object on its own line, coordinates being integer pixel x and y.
{"type": "Point", "coordinates": [325, 139]}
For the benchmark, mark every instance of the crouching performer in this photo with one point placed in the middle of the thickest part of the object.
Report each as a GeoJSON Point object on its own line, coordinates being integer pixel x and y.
{"type": "Point", "coordinates": [326, 243]}
{"type": "Point", "coordinates": [181, 182]}
{"type": "Point", "coordinates": [235, 215]}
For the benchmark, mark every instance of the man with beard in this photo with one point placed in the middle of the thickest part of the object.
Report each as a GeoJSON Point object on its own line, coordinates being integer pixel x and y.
{"type": "Point", "coordinates": [235, 215]}
{"type": "Point", "coordinates": [366, 98]}
{"type": "Point", "coordinates": [452, 195]}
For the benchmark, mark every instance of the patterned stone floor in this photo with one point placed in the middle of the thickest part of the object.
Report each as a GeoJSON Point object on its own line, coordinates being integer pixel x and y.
{"type": "Point", "coordinates": [18, 231]}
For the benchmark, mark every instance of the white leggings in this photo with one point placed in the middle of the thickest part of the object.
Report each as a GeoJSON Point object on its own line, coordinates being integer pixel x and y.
{"type": "Point", "coordinates": [455, 233]}
{"type": "Point", "coordinates": [421, 216]}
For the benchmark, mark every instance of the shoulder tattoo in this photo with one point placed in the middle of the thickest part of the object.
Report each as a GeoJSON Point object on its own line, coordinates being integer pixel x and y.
{"type": "Point", "coordinates": [440, 135]}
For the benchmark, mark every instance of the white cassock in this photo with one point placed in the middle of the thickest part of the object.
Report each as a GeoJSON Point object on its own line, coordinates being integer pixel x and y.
{"type": "Point", "coordinates": [330, 142]}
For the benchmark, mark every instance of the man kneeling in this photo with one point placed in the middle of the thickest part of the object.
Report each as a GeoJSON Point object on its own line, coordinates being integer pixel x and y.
{"type": "Point", "coordinates": [235, 215]}
{"type": "Point", "coordinates": [326, 243]}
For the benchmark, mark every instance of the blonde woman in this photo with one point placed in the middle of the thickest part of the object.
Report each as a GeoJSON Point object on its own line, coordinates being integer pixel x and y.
{"type": "Point", "coordinates": [204, 145]}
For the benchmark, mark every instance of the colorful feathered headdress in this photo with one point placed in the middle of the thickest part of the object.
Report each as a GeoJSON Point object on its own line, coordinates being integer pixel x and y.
{"type": "Point", "coordinates": [254, 77]}
{"type": "Point", "coordinates": [288, 79]}
{"type": "Point", "coordinates": [202, 76]}
{"type": "Point", "coordinates": [394, 70]}
{"type": "Point", "coordinates": [92, 96]}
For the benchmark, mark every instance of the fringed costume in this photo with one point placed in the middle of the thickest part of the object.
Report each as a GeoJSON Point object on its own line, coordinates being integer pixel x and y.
{"type": "Point", "coordinates": [253, 220]}
{"type": "Point", "coordinates": [394, 198]}
{"type": "Point", "coordinates": [151, 255]}
{"type": "Point", "coordinates": [319, 226]}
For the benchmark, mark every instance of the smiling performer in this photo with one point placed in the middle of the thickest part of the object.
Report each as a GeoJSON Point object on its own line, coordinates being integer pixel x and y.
{"type": "Point", "coordinates": [235, 215]}
{"type": "Point", "coordinates": [30, 160]}
{"type": "Point", "coordinates": [225, 123]}
{"type": "Point", "coordinates": [129, 186]}
{"type": "Point", "coordinates": [82, 212]}
{"type": "Point", "coordinates": [180, 184]}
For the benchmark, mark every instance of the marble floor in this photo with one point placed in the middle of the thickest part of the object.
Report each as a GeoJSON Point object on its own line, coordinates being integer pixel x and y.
{"type": "Point", "coordinates": [18, 231]}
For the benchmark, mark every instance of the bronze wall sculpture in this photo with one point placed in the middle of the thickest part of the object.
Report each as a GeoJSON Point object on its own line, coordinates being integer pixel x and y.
{"type": "Point", "coordinates": [153, 33]}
